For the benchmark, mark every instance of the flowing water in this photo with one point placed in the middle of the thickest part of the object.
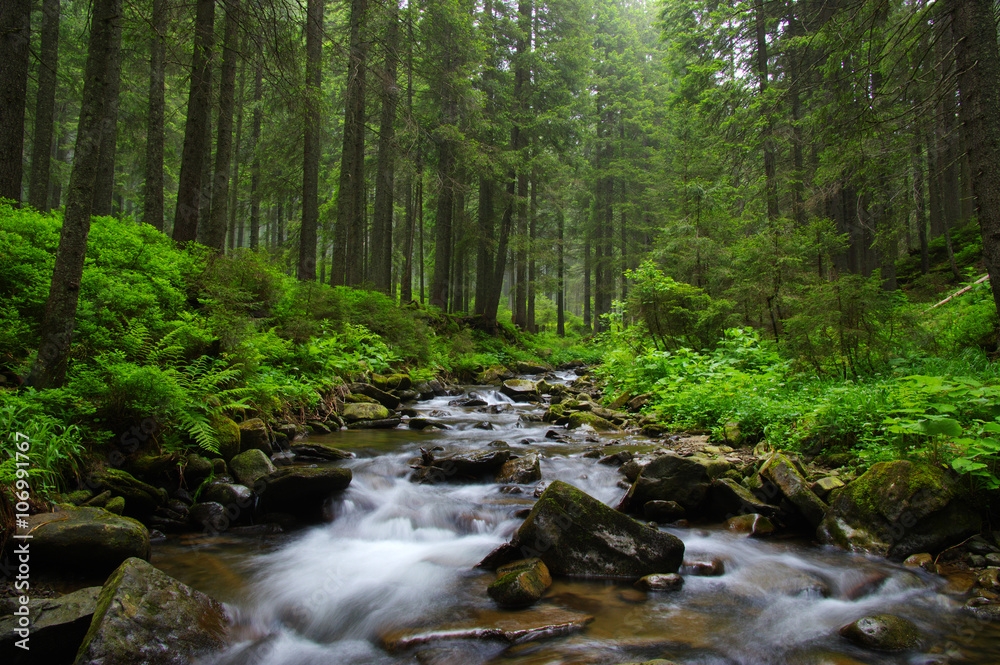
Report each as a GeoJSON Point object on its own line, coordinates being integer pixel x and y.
{"type": "Point", "coordinates": [400, 556]}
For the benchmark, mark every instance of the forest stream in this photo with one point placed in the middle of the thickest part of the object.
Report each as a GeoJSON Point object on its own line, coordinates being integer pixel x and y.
{"type": "Point", "coordinates": [398, 559]}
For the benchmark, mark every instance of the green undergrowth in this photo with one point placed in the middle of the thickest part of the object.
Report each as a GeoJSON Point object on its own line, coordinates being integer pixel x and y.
{"type": "Point", "coordinates": [169, 339]}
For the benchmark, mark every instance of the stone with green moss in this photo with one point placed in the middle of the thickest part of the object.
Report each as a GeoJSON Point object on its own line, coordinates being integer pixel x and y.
{"type": "Point", "coordinates": [115, 505]}
{"type": "Point", "coordinates": [520, 583]}
{"type": "Point", "coordinates": [357, 398]}
{"type": "Point", "coordinates": [227, 435]}
{"type": "Point", "coordinates": [883, 632]}
{"type": "Point", "coordinates": [594, 421]}
{"type": "Point", "coordinates": [520, 471]}
{"type": "Point", "coordinates": [577, 535]}
{"type": "Point", "coordinates": [494, 375]}
{"type": "Point", "coordinates": [900, 508]}
{"type": "Point", "coordinates": [145, 616]}
{"type": "Point", "coordinates": [196, 469]}
{"type": "Point", "coordinates": [89, 540]}
{"type": "Point", "coordinates": [250, 466]}
{"type": "Point", "coordinates": [141, 498]}
{"type": "Point", "coordinates": [364, 411]}
{"type": "Point", "coordinates": [253, 436]}
{"type": "Point", "coordinates": [785, 475]}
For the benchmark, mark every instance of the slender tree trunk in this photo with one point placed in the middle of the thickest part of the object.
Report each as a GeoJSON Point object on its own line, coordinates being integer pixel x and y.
{"type": "Point", "coordinates": [521, 254]}
{"type": "Point", "coordinates": [484, 257]}
{"type": "Point", "coordinates": [45, 108]}
{"type": "Point", "coordinates": [255, 122]}
{"type": "Point", "coordinates": [311, 150]}
{"type": "Point", "coordinates": [443, 218]}
{"type": "Point", "coordinates": [918, 201]}
{"type": "Point", "coordinates": [770, 177]}
{"type": "Point", "coordinates": [532, 230]}
{"type": "Point", "coordinates": [234, 220]}
{"type": "Point", "coordinates": [104, 187]}
{"type": "Point", "coordinates": [152, 207]}
{"type": "Point", "coordinates": [385, 161]}
{"type": "Point", "coordinates": [349, 234]}
{"type": "Point", "coordinates": [15, 43]}
{"type": "Point", "coordinates": [215, 236]}
{"type": "Point", "coordinates": [586, 285]}
{"type": "Point", "coordinates": [561, 274]}
{"type": "Point", "coordinates": [196, 129]}
{"type": "Point", "coordinates": [56, 332]}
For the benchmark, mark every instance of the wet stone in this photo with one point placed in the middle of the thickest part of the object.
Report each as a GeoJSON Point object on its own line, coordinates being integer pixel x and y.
{"type": "Point", "coordinates": [660, 582]}
{"type": "Point", "coordinates": [883, 632]}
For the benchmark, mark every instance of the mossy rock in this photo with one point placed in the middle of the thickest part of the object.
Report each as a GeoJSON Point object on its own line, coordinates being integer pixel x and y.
{"type": "Point", "coordinates": [896, 509]}
{"type": "Point", "coordinates": [587, 419]}
{"type": "Point", "coordinates": [494, 375]}
{"type": "Point", "coordinates": [197, 469]}
{"type": "Point", "coordinates": [357, 398]}
{"type": "Point", "coordinates": [557, 414]}
{"type": "Point", "coordinates": [253, 436]}
{"type": "Point", "coordinates": [577, 535]}
{"type": "Point", "coordinates": [726, 498]}
{"type": "Point", "coordinates": [883, 632]}
{"type": "Point", "coordinates": [88, 540]}
{"type": "Point", "coordinates": [364, 411]}
{"type": "Point", "coordinates": [782, 472]}
{"type": "Point", "coordinates": [115, 505]}
{"type": "Point", "coordinates": [521, 471]}
{"type": "Point", "coordinates": [392, 382]}
{"type": "Point", "coordinates": [141, 499]}
{"type": "Point", "coordinates": [250, 466]}
{"type": "Point", "coordinates": [521, 390]}
{"type": "Point", "coordinates": [387, 400]}
{"type": "Point", "coordinates": [520, 584]}
{"type": "Point", "coordinates": [145, 616]}
{"type": "Point", "coordinates": [227, 433]}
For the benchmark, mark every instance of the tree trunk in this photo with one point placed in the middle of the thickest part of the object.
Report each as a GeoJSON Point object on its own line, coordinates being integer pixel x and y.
{"type": "Point", "coordinates": [311, 148]}
{"type": "Point", "coordinates": [586, 285]}
{"type": "Point", "coordinates": [349, 233]}
{"type": "Point", "coordinates": [218, 219]}
{"type": "Point", "coordinates": [561, 274]}
{"type": "Point", "coordinates": [385, 161]}
{"type": "Point", "coordinates": [258, 93]}
{"type": "Point", "coordinates": [45, 108]}
{"type": "Point", "coordinates": [56, 332]}
{"type": "Point", "coordinates": [235, 224]}
{"type": "Point", "coordinates": [15, 43]}
{"type": "Point", "coordinates": [152, 207]}
{"type": "Point", "coordinates": [196, 128]}
{"type": "Point", "coordinates": [770, 177]}
{"type": "Point", "coordinates": [104, 187]}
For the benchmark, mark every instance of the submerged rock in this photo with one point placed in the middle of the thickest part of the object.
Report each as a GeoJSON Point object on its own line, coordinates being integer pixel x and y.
{"type": "Point", "coordinates": [896, 509]}
{"type": "Point", "coordinates": [520, 584]}
{"type": "Point", "coordinates": [58, 625]}
{"type": "Point", "coordinates": [88, 540]}
{"type": "Point", "coordinates": [883, 632]}
{"type": "Point", "coordinates": [145, 616]}
{"type": "Point", "coordinates": [577, 535]}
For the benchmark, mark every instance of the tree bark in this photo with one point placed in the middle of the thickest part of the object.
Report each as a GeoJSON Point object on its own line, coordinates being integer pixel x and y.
{"type": "Point", "coordinates": [770, 176]}
{"type": "Point", "coordinates": [196, 128]}
{"type": "Point", "coordinates": [45, 108]}
{"type": "Point", "coordinates": [15, 41]}
{"type": "Point", "coordinates": [258, 88]}
{"type": "Point", "coordinates": [104, 187]}
{"type": "Point", "coordinates": [384, 170]}
{"type": "Point", "coordinates": [152, 208]}
{"type": "Point", "coordinates": [56, 333]}
{"type": "Point", "coordinates": [311, 147]}
{"type": "Point", "coordinates": [218, 218]}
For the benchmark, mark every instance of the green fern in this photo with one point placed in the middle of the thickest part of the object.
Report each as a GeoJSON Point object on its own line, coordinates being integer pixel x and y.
{"type": "Point", "coordinates": [197, 425]}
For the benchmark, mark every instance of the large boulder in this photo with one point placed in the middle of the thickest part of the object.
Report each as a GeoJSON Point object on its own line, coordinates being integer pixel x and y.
{"type": "Point", "coordinates": [521, 390]}
{"type": "Point", "coordinates": [727, 498]}
{"type": "Point", "coordinates": [782, 474]}
{"type": "Point", "coordinates": [521, 471]}
{"type": "Point", "coordinates": [88, 540]}
{"type": "Point", "coordinates": [301, 491]}
{"type": "Point", "coordinates": [57, 626]}
{"type": "Point", "coordinates": [670, 478]}
{"type": "Point", "coordinates": [896, 509]}
{"type": "Point", "coordinates": [392, 382]}
{"type": "Point", "coordinates": [577, 535]}
{"type": "Point", "coordinates": [251, 465]}
{"type": "Point", "coordinates": [227, 438]}
{"type": "Point", "coordinates": [318, 452]}
{"type": "Point", "coordinates": [145, 616]}
{"type": "Point", "coordinates": [360, 411]}
{"type": "Point", "coordinates": [474, 465]}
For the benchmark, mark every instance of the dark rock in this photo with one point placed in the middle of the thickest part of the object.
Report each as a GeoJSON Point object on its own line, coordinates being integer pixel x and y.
{"type": "Point", "coordinates": [663, 512]}
{"type": "Point", "coordinates": [521, 390]}
{"type": "Point", "coordinates": [115, 505]}
{"type": "Point", "coordinates": [824, 486]}
{"type": "Point", "coordinates": [553, 435]}
{"type": "Point", "coordinates": [89, 540]}
{"type": "Point", "coordinates": [407, 395]}
{"type": "Point", "coordinates": [726, 498]}
{"type": "Point", "coordinates": [141, 499]}
{"type": "Point", "coordinates": [520, 583]}
{"type": "Point", "coordinates": [197, 469]}
{"type": "Point", "coordinates": [58, 625]}
{"type": "Point", "coordinates": [617, 459]}
{"type": "Point", "coordinates": [302, 491]}
{"type": "Point", "coordinates": [897, 509]}
{"type": "Point", "coordinates": [354, 413]}
{"type": "Point", "coordinates": [145, 616]}
{"type": "Point", "coordinates": [782, 473]}
{"type": "Point", "coordinates": [318, 427]}
{"type": "Point", "coordinates": [468, 402]}
{"type": "Point", "coordinates": [319, 452]}
{"type": "Point", "coordinates": [575, 534]}
{"type": "Point", "coordinates": [430, 389]}
{"type": "Point", "coordinates": [660, 582]}
{"type": "Point", "coordinates": [250, 465]}
{"type": "Point", "coordinates": [883, 632]}
{"type": "Point", "coordinates": [290, 430]}
{"type": "Point", "coordinates": [426, 423]}
{"type": "Point", "coordinates": [387, 400]}
{"type": "Point", "coordinates": [984, 609]}
{"type": "Point", "coordinates": [254, 436]}
{"type": "Point", "coordinates": [670, 478]}
{"type": "Point", "coordinates": [98, 500]}
{"type": "Point", "coordinates": [530, 368]}
{"type": "Point", "coordinates": [711, 568]}
{"type": "Point", "coordinates": [474, 465]}
{"type": "Point", "coordinates": [485, 425]}
{"type": "Point", "coordinates": [231, 495]}
{"type": "Point", "coordinates": [922, 560]}
{"type": "Point", "coordinates": [210, 516]}
{"type": "Point", "coordinates": [494, 375]}
{"type": "Point", "coordinates": [383, 423]}
{"type": "Point", "coordinates": [520, 471]}
{"type": "Point", "coordinates": [751, 524]}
